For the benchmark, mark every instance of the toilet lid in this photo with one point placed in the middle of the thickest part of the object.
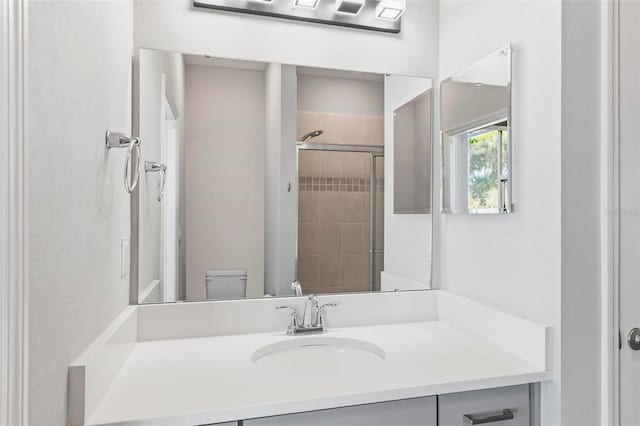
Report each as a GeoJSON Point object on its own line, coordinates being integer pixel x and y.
{"type": "Point", "coordinates": [226, 273]}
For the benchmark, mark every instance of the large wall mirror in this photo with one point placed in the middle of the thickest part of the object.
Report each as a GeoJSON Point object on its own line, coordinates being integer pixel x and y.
{"type": "Point", "coordinates": [266, 179]}
{"type": "Point", "coordinates": [476, 137]}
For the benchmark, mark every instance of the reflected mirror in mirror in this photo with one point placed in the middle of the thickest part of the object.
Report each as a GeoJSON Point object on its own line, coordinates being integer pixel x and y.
{"type": "Point", "coordinates": [476, 142]}
{"type": "Point", "coordinates": [412, 153]}
{"type": "Point", "coordinates": [264, 179]}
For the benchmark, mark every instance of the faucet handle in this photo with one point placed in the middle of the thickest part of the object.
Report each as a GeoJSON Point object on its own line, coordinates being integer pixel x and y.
{"type": "Point", "coordinates": [321, 313]}
{"type": "Point", "coordinates": [293, 314]}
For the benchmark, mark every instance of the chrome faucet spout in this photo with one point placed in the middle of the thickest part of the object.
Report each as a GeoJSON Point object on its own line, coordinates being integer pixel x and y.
{"type": "Point", "coordinates": [312, 320]}
{"type": "Point", "coordinates": [310, 317]}
{"type": "Point", "coordinates": [297, 288]}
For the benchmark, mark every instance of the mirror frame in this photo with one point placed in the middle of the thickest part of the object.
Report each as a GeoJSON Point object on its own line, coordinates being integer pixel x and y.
{"type": "Point", "coordinates": [508, 48]}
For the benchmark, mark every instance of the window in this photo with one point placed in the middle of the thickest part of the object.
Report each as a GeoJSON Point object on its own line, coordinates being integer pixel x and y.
{"type": "Point", "coordinates": [483, 165]}
{"type": "Point", "coordinates": [488, 167]}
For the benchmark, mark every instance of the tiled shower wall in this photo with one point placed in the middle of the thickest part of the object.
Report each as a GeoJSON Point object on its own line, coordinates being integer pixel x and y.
{"type": "Point", "coordinates": [334, 205]}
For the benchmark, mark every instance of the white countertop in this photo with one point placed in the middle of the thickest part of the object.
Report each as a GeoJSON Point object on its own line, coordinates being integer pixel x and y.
{"type": "Point", "coordinates": [212, 379]}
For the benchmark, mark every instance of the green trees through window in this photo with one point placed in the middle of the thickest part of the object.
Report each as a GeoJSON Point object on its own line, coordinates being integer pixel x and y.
{"type": "Point", "coordinates": [487, 159]}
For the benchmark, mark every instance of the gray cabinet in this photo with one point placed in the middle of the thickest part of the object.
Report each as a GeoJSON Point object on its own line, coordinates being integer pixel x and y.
{"type": "Point", "coordinates": [408, 412]}
{"type": "Point", "coordinates": [508, 406]}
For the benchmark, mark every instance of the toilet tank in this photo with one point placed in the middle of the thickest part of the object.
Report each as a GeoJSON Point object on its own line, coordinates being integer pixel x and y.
{"type": "Point", "coordinates": [226, 284]}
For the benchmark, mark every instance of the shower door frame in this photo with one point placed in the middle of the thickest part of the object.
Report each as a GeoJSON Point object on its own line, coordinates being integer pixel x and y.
{"type": "Point", "coordinates": [373, 188]}
{"type": "Point", "coordinates": [374, 152]}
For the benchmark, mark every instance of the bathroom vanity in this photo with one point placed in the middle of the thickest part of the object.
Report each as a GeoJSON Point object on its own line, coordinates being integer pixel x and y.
{"type": "Point", "coordinates": [410, 358]}
{"type": "Point", "coordinates": [337, 202]}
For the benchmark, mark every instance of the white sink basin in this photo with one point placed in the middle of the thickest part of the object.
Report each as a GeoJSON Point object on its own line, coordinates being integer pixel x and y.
{"type": "Point", "coordinates": [319, 356]}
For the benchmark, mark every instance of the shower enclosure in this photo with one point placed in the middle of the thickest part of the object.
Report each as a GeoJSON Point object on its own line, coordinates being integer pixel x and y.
{"type": "Point", "coordinates": [340, 217]}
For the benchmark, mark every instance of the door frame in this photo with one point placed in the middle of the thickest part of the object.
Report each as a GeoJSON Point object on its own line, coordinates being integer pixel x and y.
{"type": "Point", "coordinates": [13, 215]}
{"type": "Point", "coordinates": [611, 339]}
{"type": "Point", "coordinates": [169, 121]}
{"type": "Point", "coordinates": [373, 187]}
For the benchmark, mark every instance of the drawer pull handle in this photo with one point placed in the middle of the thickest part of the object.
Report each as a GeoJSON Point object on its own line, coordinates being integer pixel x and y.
{"type": "Point", "coordinates": [476, 419]}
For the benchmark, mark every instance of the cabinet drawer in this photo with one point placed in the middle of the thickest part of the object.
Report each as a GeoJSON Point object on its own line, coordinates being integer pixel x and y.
{"type": "Point", "coordinates": [408, 412]}
{"type": "Point", "coordinates": [492, 407]}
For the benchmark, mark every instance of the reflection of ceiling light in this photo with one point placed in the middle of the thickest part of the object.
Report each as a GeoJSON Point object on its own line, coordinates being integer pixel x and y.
{"type": "Point", "coordinates": [391, 9]}
{"type": "Point", "coordinates": [312, 4]}
{"type": "Point", "coordinates": [349, 7]}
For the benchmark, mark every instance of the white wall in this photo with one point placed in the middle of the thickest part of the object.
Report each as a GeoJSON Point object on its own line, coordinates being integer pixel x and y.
{"type": "Point", "coordinates": [152, 64]}
{"type": "Point", "coordinates": [224, 157]}
{"type": "Point", "coordinates": [176, 25]}
{"type": "Point", "coordinates": [514, 262]}
{"type": "Point", "coordinates": [581, 212]}
{"type": "Point", "coordinates": [79, 85]}
{"type": "Point", "coordinates": [281, 198]}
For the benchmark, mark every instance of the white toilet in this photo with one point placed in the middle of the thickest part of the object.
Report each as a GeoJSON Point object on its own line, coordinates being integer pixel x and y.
{"type": "Point", "coordinates": [226, 284]}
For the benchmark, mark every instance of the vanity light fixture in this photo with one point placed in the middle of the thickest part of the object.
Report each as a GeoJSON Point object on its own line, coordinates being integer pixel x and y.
{"type": "Point", "coordinates": [311, 4]}
{"type": "Point", "coordinates": [391, 9]}
{"type": "Point", "coordinates": [349, 7]}
{"type": "Point", "coordinates": [361, 14]}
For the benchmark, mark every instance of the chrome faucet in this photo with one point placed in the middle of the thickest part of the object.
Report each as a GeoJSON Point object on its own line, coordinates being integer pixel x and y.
{"type": "Point", "coordinates": [296, 286]}
{"type": "Point", "coordinates": [310, 315]}
{"type": "Point", "coordinates": [312, 319]}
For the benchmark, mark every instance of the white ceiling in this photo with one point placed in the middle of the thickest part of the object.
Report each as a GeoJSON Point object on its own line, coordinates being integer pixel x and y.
{"type": "Point", "coordinates": [201, 60]}
{"type": "Point", "coordinates": [491, 70]}
{"type": "Point", "coordinates": [224, 63]}
{"type": "Point", "coordinates": [353, 75]}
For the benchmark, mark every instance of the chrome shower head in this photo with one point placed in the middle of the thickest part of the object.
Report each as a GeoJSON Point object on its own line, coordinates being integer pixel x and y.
{"type": "Point", "coordinates": [311, 135]}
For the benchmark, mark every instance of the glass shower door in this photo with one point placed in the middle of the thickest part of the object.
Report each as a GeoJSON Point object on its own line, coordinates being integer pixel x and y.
{"type": "Point", "coordinates": [340, 218]}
